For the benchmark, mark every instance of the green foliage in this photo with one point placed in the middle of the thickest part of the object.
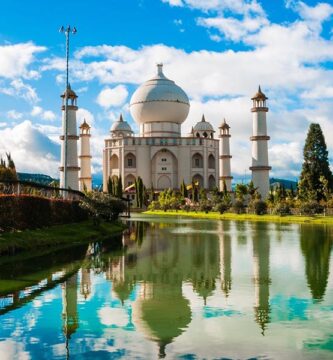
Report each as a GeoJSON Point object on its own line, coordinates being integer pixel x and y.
{"type": "Point", "coordinates": [195, 192]}
{"type": "Point", "coordinates": [282, 208]}
{"type": "Point", "coordinates": [241, 191]}
{"type": "Point", "coordinates": [7, 170]}
{"type": "Point", "coordinates": [205, 205]}
{"type": "Point", "coordinates": [30, 212]}
{"type": "Point", "coordinates": [110, 186]}
{"type": "Point", "coordinates": [140, 193]}
{"type": "Point", "coordinates": [183, 190]}
{"type": "Point", "coordinates": [238, 207]}
{"type": "Point", "coordinates": [102, 206]}
{"type": "Point", "coordinates": [311, 208]}
{"type": "Point", "coordinates": [258, 207]}
{"type": "Point", "coordinates": [119, 188]}
{"type": "Point", "coordinates": [315, 166]}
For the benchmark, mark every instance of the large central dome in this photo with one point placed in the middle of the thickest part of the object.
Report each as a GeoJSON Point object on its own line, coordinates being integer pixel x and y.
{"type": "Point", "coordinates": [159, 100]}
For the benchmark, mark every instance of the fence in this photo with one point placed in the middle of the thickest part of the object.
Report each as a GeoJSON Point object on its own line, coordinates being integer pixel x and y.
{"type": "Point", "coordinates": [35, 189]}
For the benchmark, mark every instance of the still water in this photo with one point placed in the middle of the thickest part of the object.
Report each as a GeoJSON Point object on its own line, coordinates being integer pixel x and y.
{"type": "Point", "coordinates": [175, 288]}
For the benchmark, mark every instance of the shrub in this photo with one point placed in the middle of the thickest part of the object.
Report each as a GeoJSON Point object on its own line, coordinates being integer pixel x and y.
{"type": "Point", "coordinates": [259, 207]}
{"type": "Point", "coordinates": [206, 206]}
{"type": "Point", "coordinates": [222, 207]}
{"type": "Point", "coordinates": [282, 208]}
{"type": "Point", "coordinates": [311, 208]}
{"type": "Point", "coordinates": [102, 206]}
{"type": "Point", "coordinates": [238, 207]}
{"type": "Point", "coordinates": [154, 205]}
{"type": "Point", "coordinates": [30, 212]}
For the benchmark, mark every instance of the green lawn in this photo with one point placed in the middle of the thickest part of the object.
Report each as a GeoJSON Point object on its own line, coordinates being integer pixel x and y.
{"type": "Point", "coordinates": [47, 239]}
{"type": "Point", "coordinates": [318, 219]}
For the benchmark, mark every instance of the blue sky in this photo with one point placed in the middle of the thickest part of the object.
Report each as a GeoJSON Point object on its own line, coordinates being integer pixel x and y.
{"type": "Point", "coordinates": [219, 51]}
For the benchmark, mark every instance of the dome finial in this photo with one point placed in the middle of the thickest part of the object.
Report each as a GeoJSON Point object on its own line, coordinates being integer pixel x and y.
{"type": "Point", "coordinates": [121, 118]}
{"type": "Point", "coordinates": [160, 69]}
{"type": "Point", "coordinates": [203, 118]}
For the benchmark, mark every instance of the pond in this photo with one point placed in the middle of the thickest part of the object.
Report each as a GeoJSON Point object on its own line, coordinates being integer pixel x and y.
{"type": "Point", "coordinates": [174, 288]}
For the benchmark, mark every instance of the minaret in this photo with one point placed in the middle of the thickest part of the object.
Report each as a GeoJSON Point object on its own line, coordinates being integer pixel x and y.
{"type": "Point", "coordinates": [85, 157]}
{"type": "Point", "coordinates": [225, 172]}
{"type": "Point", "coordinates": [261, 278]}
{"type": "Point", "coordinates": [72, 138]}
{"type": "Point", "coordinates": [260, 168]}
{"type": "Point", "coordinates": [69, 306]}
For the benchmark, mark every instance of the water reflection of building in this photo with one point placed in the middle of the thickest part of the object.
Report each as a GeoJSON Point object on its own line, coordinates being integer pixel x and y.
{"type": "Point", "coordinates": [69, 306]}
{"type": "Point", "coordinates": [85, 287]}
{"type": "Point", "coordinates": [161, 265]}
{"type": "Point", "coordinates": [316, 245]}
{"type": "Point", "coordinates": [225, 256]}
{"type": "Point", "coordinates": [261, 248]}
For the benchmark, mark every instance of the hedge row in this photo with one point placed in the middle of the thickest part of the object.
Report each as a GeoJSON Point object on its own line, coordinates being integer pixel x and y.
{"type": "Point", "coordinates": [31, 212]}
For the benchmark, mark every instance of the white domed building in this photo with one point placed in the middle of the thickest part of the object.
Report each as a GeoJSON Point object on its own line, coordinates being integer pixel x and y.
{"type": "Point", "coordinates": [160, 155]}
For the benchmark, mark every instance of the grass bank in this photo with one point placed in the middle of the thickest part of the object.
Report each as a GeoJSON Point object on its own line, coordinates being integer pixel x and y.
{"type": "Point", "coordinates": [318, 219]}
{"type": "Point", "coordinates": [58, 236]}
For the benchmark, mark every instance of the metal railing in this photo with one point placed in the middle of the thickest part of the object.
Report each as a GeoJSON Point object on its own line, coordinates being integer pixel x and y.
{"type": "Point", "coordinates": [35, 189]}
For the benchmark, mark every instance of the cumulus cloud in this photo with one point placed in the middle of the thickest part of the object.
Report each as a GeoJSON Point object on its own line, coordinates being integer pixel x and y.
{"type": "Point", "coordinates": [15, 115]}
{"type": "Point", "coordinates": [16, 60]}
{"type": "Point", "coordinates": [31, 149]}
{"type": "Point", "coordinates": [84, 114]}
{"type": "Point", "coordinates": [112, 97]}
{"type": "Point", "coordinates": [18, 88]}
{"type": "Point", "coordinates": [38, 111]}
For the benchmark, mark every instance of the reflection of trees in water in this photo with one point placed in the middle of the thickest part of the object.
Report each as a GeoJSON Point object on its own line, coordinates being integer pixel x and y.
{"type": "Point", "coordinates": [261, 277]}
{"type": "Point", "coordinates": [225, 257]}
{"type": "Point", "coordinates": [316, 245]}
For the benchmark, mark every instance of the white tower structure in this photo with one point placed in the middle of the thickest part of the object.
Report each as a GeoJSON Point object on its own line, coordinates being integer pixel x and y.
{"type": "Point", "coordinates": [260, 167]}
{"type": "Point", "coordinates": [85, 157]}
{"type": "Point", "coordinates": [225, 170]}
{"type": "Point", "coordinates": [72, 138]}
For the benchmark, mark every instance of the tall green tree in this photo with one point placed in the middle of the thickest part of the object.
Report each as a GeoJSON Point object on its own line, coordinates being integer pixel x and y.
{"type": "Point", "coordinates": [119, 191]}
{"type": "Point", "coordinates": [315, 165]}
{"type": "Point", "coordinates": [110, 186]}
{"type": "Point", "coordinates": [7, 170]}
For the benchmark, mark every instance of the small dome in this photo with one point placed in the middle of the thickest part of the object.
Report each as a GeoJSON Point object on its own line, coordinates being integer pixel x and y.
{"type": "Point", "coordinates": [159, 100]}
{"type": "Point", "coordinates": [259, 95]}
{"type": "Point", "coordinates": [84, 125]}
{"type": "Point", "coordinates": [203, 125]}
{"type": "Point", "coordinates": [224, 125]}
{"type": "Point", "coordinates": [121, 125]}
{"type": "Point", "coordinates": [70, 93]}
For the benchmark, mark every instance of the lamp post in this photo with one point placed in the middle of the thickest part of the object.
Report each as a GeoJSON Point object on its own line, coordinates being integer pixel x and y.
{"type": "Point", "coordinates": [67, 31]}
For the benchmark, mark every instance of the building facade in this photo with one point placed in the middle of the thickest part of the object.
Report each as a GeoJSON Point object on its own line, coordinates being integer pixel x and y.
{"type": "Point", "coordinates": [160, 155]}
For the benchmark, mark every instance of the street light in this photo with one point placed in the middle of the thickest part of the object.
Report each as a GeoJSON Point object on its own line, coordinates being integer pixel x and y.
{"type": "Point", "coordinates": [67, 31]}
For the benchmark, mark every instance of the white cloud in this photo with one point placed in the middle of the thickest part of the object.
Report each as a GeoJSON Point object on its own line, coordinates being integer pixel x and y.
{"type": "Point", "coordinates": [173, 2]}
{"type": "Point", "coordinates": [15, 115]}
{"type": "Point", "coordinates": [16, 59]}
{"type": "Point", "coordinates": [38, 111]}
{"type": "Point", "coordinates": [112, 97]}
{"type": "Point", "coordinates": [30, 148]}
{"type": "Point", "coordinates": [17, 88]}
{"type": "Point", "coordinates": [84, 114]}
{"type": "Point", "coordinates": [319, 13]}
{"type": "Point", "coordinates": [233, 28]}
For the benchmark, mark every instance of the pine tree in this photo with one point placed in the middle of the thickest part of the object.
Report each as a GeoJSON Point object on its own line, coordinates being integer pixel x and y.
{"type": "Point", "coordinates": [315, 165]}
{"type": "Point", "coordinates": [109, 186]}
{"type": "Point", "coordinates": [8, 171]}
{"type": "Point", "coordinates": [119, 188]}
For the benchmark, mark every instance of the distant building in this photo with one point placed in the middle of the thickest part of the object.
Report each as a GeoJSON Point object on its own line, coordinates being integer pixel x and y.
{"type": "Point", "coordinates": [160, 154]}
{"type": "Point", "coordinates": [163, 158]}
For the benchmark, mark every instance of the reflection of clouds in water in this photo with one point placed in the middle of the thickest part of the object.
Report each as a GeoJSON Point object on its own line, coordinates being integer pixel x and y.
{"type": "Point", "coordinates": [211, 312]}
{"type": "Point", "coordinates": [113, 316]}
{"type": "Point", "coordinates": [188, 230]}
{"type": "Point", "coordinates": [10, 349]}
